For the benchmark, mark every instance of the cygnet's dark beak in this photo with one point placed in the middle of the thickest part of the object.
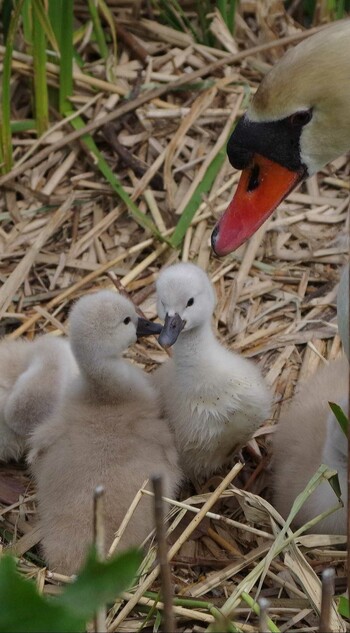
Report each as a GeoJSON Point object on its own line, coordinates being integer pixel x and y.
{"type": "Point", "coordinates": [147, 328]}
{"type": "Point", "coordinates": [171, 330]}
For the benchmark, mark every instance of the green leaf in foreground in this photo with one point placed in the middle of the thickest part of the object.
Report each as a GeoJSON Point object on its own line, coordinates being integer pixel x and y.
{"type": "Point", "coordinates": [344, 607]}
{"type": "Point", "coordinates": [24, 609]}
{"type": "Point", "coordinates": [341, 417]}
{"type": "Point", "coordinates": [99, 582]}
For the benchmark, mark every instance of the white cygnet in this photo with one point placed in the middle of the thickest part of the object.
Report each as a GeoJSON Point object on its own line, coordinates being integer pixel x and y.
{"type": "Point", "coordinates": [107, 431]}
{"type": "Point", "coordinates": [214, 399]}
{"type": "Point", "coordinates": [33, 377]}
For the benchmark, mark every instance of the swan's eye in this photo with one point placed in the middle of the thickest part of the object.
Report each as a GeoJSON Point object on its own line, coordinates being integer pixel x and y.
{"type": "Point", "coordinates": [190, 302]}
{"type": "Point", "coordinates": [127, 320]}
{"type": "Point", "coordinates": [299, 119]}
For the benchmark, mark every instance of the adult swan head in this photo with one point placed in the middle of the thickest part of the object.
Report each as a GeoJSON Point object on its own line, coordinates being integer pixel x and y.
{"type": "Point", "coordinates": [298, 121]}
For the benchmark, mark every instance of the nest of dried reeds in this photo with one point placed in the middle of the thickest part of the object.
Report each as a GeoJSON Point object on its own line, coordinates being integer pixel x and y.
{"type": "Point", "coordinates": [66, 223]}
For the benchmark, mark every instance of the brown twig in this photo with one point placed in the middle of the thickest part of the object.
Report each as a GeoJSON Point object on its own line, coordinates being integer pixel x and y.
{"type": "Point", "coordinates": [119, 286]}
{"type": "Point", "coordinates": [326, 600]}
{"type": "Point", "coordinates": [165, 576]}
{"type": "Point", "coordinates": [132, 43]}
{"type": "Point", "coordinates": [139, 168]}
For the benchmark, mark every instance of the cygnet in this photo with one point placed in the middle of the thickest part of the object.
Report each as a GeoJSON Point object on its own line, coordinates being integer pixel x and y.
{"type": "Point", "coordinates": [33, 376]}
{"type": "Point", "coordinates": [308, 435]}
{"type": "Point", "coordinates": [214, 399]}
{"type": "Point", "coordinates": [108, 431]}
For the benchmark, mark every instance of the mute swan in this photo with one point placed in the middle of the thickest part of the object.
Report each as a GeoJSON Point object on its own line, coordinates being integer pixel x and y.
{"type": "Point", "coordinates": [213, 398]}
{"type": "Point", "coordinates": [298, 121]}
{"type": "Point", "coordinates": [308, 435]}
{"type": "Point", "coordinates": [107, 432]}
{"type": "Point", "coordinates": [33, 376]}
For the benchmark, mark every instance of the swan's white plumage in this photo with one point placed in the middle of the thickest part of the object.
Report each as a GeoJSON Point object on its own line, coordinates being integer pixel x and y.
{"type": "Point", "coordinates": [107, 431]}
{"type": "Point", "coordinates": [213, 398]}
{"type": "Point", "coordinates": [33, 376]}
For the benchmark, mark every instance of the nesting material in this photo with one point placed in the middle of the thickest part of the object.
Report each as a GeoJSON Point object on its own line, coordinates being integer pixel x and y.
{"type": "Point", "coordinates": [283, 288]}
{"type": "Point", "coordinates": [107, 432]}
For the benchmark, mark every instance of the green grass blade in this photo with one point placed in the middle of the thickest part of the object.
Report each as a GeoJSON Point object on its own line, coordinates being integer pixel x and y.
{"type": "Point", "coordinates": [191, 208]}
{"type": "Point", "coordinates": [115, 183]}
{"type": "Point", "coordinates": [56, 18]}
{"type": "Point", "coordinates": [227, 9]}
{"type": "Point", "coordinates": [256, 608]}
{"type": "Point", "coordinates": [341, 417]}
{"type": "Point", "coordinates": [42, 17]}
{"type": "Point", "coordinates": [203, 8]}
{"type": "Point", "coordinates": [344, 607]}
{"type": "Point", "coordinates": [27, 24]}
{"type": "Point", "coordinates": [108, 16]}
{"type": "Point", "coordinates": [6, 10]}
{"type": "Point", "coordinates": [5, 103]}
{"type": "Point", "coordinates": [231, 13]}
{"type": "Point", "coordinates": [66, 56]}
{"type": "Point", "coordinates": [23, 126]}
{"type": "Point", "coordinates": [98, 30]}
{"type": "Point", "coordinates": [39, 67]}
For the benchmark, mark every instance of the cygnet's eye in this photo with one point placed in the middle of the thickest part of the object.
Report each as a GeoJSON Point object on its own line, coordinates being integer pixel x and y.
{"type": "Point", "coordinates": [127, 320]}
{"type": "Point", "coordinates": [190, 302]}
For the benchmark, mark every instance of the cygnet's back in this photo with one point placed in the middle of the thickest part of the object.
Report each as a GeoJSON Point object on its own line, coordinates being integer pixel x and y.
{"type": "Point", "coordinates": [213, 398]}
{"type": "Point", "coordinates": [33, 377]}
{"type": "Point", "coordinates": [308, 435]}
{"type": "Point", "coordinates": [107, 432]}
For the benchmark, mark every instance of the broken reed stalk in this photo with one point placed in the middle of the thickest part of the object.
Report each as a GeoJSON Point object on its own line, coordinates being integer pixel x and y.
{"type": "Point", "coordinates": [99, 541]}
{"type": "Point", "coordinates": [326, 600]}
{"type": "Point", "coordinates": [263, 605]}
{"type": "Point", "coordinates": [165, 576]}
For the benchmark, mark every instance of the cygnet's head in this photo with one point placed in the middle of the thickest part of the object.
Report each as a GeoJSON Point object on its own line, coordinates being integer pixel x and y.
{"type": "Point", "coordinates": [185, 300]}
{"type": "Point", "coordinates": [103, 325]}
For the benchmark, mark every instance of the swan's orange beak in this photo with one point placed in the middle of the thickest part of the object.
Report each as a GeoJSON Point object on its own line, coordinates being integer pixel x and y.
{"type": "Point", "coordinates": [262, 186]}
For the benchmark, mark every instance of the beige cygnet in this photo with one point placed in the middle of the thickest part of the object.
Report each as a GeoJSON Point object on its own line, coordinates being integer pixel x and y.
{"type": "Point", "coordinates": [213, 398]}
{"type": "Point", "coordinates": [308, 435]}
{"type": "Point", "coordinates": [107, 431]}
{"type": "Point", "coordinates": [33, 376]}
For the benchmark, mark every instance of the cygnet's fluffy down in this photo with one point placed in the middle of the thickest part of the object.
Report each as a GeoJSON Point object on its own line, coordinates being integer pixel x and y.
{"type": "Point", "coordinates": [213, 398]}
{"type": "Point", "coordinates": [108, 431]}
{"type": "Point", "coordinates": [33, 376]}
{"type": "Point", "coordinates": [308, 435]}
